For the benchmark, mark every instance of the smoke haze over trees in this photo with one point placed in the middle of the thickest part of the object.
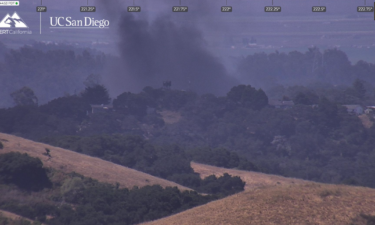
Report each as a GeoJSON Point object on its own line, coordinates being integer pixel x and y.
{"type": "Point", "coordinates": [161, 50]}
{"type": "Point", "coordinates": [68, 71]}
{"type": "Point", "coordinates": [49, 73]}
{"type": "Point", "coordinates": [172, 88]}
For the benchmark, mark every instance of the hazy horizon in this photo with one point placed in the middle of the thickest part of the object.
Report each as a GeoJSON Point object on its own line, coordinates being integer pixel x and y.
{"type": "Point", "coordinates": [212, 42]}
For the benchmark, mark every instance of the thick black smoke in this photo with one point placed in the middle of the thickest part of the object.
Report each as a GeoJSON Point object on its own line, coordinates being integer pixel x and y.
{"type": "Point", "coordinates": [162, 50]}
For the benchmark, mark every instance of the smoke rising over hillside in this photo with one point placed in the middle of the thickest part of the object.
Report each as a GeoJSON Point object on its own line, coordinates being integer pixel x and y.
{"type": "Point", "coordinates": [160, 50]}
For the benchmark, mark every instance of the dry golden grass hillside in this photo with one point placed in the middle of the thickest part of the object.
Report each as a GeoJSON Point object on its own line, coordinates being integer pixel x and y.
{"type": "Point", "coordinates": [12, 216]}
{"type": "Point", "coordinates": [270, 199]}
{"type": "Point", "coordinates": [69, 161]}
{"type": "Point", "coordinates": [301, 204]}
{"type": "Point", "coordinates": [253, 179]}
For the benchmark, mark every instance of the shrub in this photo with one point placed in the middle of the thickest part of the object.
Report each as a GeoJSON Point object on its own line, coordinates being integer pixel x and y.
{"type": "Point", "coordinates": [24, 171]}
{"type": "Point", "coordinates": [222, 186]}
{"type": "Point", "coordinates": [328, 192]}
{"type": "Point", "coordinates": [370, 219]}
{"type": "Point", "coordinates": [72, 186]}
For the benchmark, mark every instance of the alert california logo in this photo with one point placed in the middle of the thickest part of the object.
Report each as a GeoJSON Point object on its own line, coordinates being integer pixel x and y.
{"type": "Point", "coordinates": [13, 25]}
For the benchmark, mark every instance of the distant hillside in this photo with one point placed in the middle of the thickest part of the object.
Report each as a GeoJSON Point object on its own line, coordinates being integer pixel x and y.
{"type": "Point", "coordinates": [253, 179]}
{"type": "Point", "coordinates": [69, 161]}
{"type": "Point", "coordinates": [310, 203]}
{"type": "Point", "coordinates": [270, 199]}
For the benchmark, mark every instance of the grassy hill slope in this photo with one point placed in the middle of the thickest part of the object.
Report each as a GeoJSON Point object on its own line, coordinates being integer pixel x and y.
{"type": "Point", "coordinates": [298, 204]}
{"type": "Point", "coordinates": [253, 179]}
{"type": "Point", "coordinates": [69, 161]}
{"type": "Point", "coordinates": [12, 216]}
{"type": "Point", "coordinates": [270, 199]}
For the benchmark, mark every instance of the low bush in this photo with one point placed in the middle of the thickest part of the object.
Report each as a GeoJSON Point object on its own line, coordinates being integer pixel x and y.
{"type": "Point", "coordinates": [24, 171]}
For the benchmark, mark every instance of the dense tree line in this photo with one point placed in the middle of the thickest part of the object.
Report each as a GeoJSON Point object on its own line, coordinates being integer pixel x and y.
{"type": "Point", "coordinates": [104, 204]}
{"type": "Point", "coordinates": [359, 92]}
{"type": "Point", "coordinates": [50, 71]}
{"type": "Point", "coordinates": [330, 66]}
{"type": "Point", "coordinates": [220, 157]}
{"type": "Point", "coordinates": [60, 116]}
{"type": "Point", "coordinates": [306, 141]}
{"type": "Point", "coordinates": [316, 139]}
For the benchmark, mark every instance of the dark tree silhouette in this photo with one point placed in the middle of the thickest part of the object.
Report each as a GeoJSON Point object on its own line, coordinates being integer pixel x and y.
{"type": "Point", "coordinates": [72, 107]}
{"type": "Point", "coordinates": [24, 171]}
{"type": "Point", "coordinates": [248, 96]}
{"type": "Point", "coordinates": [24, 96]}
{"type": "Point", "coordinates": [305, 99]}
{"type": "Point", "coordinates": [167, 84]}
{"type": "Point", "coordinates": [97, 94]}
{"type": "Point", "coordinates": [359, 89]}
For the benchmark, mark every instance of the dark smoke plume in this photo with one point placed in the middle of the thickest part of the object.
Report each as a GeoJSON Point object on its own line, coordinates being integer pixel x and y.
{"type": "Point", "coordinates": [162, 50]}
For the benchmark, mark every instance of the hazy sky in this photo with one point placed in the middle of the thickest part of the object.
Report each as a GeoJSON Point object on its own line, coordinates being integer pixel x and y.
{"type": "Point", "coordinates": [198, 49]}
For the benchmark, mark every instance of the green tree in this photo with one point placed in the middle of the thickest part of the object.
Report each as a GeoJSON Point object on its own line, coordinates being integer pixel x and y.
{"type": "Point", "coordinates": [301, 99]}
{"type": "Point", "coordinates": [328, 113]}
{"type": "Point", "coordinates": [73, 107]}
{"type": "Point", "coordinates": [72, 187]}
{"type": "Point", "coordinates": [130, 103]}
{"type": "Point", "coordinates": [248, 96]}
{"type": "Point", "coordinates": [92, 80]}
{"type": "Point", "coordinates": [359, 88]}
{"type": "Point", "coordinates": [24, 171]}
{"type": "Point", "coordinates": [306, 98]}
{"type": "Point", "coordinates": [24, 96]}
{"type": "Point", "coordinates": [220, 157]}
{"type": "Point", "coordinates": [336, 67]}
{"type": "Point", "coordinates": [97, 94]}
{"type": "Point", "coordinates": [224, 185]}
